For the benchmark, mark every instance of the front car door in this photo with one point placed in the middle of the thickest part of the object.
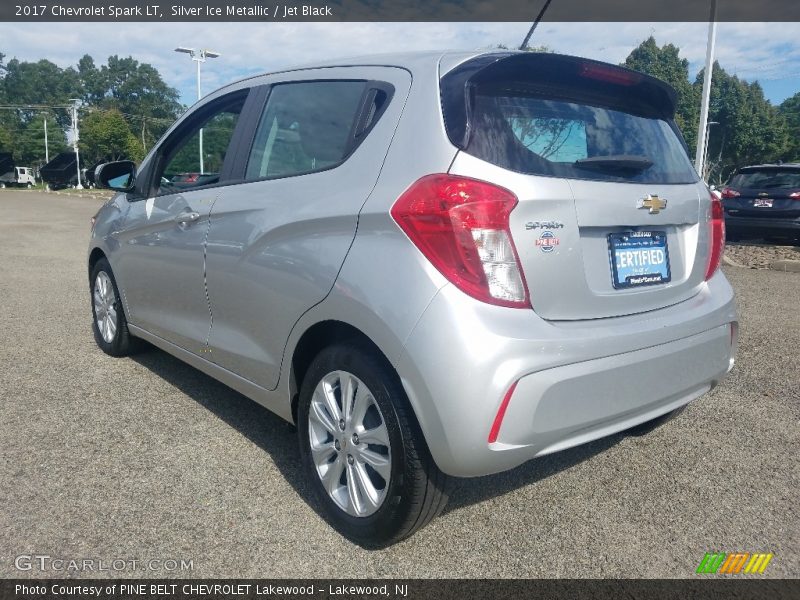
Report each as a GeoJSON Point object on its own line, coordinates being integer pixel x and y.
{"type": "Point", "coordinates": [161, 265]}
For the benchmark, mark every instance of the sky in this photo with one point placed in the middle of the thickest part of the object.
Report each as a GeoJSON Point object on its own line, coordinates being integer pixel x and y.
{"type": "Point", "coordinates": [768, 52]}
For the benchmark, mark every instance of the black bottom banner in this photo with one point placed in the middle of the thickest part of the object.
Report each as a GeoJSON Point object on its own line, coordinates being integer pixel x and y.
{"type": "Point", "coordinates": [414, 589]}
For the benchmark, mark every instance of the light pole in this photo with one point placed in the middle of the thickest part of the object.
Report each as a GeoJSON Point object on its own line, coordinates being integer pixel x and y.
{"type": "Point", "coordinates": [705, 151]}
{"type": "Point", "coordinates": [75, 138]}
{"type": "Point", "coordinates": [198, 56]}
{"type": "Point", "coordinates": [702, 130]}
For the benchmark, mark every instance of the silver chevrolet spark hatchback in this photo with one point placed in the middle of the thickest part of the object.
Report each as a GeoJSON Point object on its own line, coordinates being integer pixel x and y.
{"type": "Point", "coordinates": [436, 265]}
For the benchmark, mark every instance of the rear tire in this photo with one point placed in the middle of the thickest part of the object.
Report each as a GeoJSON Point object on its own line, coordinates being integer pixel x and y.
{"type": "Point", "coordinates": [362, 504]}
{"type": "Point", "coordinates": [109, 324]}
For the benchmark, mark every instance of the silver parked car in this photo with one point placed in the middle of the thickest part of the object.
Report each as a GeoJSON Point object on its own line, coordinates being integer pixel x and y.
{"type": "Point", "coordinates": [436, 265]}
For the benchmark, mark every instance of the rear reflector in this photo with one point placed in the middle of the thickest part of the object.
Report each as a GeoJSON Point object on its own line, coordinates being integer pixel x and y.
{"type": "Point", "coordinates": [501, 412]}
{"type": "Point", "coordinates": [461, 226]}
{"type": "Point", "coordinates": [716, 235]}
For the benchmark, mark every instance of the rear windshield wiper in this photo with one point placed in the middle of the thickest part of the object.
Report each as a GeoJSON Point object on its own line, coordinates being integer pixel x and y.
{"type": "Point", "coordinates": [616, 162]}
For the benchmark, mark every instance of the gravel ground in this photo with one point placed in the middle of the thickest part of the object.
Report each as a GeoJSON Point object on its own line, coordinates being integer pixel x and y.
{"type": "Point", "coordinates": [147, 458]}
{"type": "Point", "coordinates": [760, 255]}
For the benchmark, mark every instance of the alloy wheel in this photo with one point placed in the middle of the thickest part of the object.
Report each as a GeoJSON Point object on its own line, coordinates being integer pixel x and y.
{"type": "Point", "coordinates": [105, 309]}
{"type": "Point", "coordinates": [350, 444]}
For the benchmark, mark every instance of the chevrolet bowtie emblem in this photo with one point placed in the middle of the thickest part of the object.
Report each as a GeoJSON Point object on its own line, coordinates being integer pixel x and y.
{"type": "Point", "coordinates": [654, 203]}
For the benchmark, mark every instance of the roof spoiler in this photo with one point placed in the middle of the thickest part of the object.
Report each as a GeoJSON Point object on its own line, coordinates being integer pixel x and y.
{"type": "Point", "coordinates": [552, 75]}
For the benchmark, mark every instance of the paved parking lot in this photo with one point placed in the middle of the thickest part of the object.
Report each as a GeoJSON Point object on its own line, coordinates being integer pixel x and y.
{"type": "Point", "coordinates": [147, 458]}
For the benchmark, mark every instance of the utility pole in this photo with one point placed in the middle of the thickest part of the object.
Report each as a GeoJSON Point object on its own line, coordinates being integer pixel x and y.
{"type": "Point", "coordinates": [75, 138]}
{"type": "Point", "coordinates": [702, 132]}
{"type": "Point", "coordinates": [46, 147]}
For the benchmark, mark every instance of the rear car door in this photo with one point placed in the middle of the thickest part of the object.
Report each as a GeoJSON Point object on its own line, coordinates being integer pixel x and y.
{"type": "Point", "coordinates": [161, 265]}
{"type": "Point", "coordinates": [278, 240]}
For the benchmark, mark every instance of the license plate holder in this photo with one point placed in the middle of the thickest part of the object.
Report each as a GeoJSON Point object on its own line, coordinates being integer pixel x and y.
{"type": "Point", "coordinates": [638, 259]}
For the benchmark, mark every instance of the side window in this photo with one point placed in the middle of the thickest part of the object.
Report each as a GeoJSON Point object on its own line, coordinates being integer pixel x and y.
{"type": "Point", "coordinates": [196, 156]}
{"type": "Point", "coordinates": [306, 127]}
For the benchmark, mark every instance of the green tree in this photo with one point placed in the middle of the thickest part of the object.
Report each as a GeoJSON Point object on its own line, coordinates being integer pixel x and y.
{"type": "Point", "coordinates": [750, 130]}
{"type": "Point", "coordinates": [666, 64]}
{"type": "Point", "coordinates": [41, 83]}
{"type": "Point", "coordinates": [135, 89]}
{"type": "Point", "coordinates": [105, 135]}
{"type": "Point", "coordinates": [29, 148]}
{"type": "Point", "coordinates": [790, 110]}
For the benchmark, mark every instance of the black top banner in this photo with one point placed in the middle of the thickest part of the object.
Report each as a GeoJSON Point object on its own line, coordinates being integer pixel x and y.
{"type": "Point", "coordinates": [399, 10]}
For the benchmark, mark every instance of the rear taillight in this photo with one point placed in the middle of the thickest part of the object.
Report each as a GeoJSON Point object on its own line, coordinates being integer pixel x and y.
{"type": "Point", "coordinates": [716, 235]}
{"type": "Point", "coordinates": [730, 193]}
{"type": "Point", "coordinates": [461, 226]}
{"type": "Point", "coordinates": [795, 195]}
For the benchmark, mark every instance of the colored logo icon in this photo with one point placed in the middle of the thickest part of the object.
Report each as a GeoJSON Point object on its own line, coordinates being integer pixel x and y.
{"type": "Point", "coordinates": [734, 563]}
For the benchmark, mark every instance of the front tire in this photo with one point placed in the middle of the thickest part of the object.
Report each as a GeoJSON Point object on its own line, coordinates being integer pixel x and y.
{"type": "Point", "coordinates": [109, 324]}
{"type": "Point", "coordinates": [363, 451]}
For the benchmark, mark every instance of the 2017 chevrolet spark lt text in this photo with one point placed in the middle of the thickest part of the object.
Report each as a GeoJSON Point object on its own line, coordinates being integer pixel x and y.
{"type": "Point", "coordinates": [436, 265]}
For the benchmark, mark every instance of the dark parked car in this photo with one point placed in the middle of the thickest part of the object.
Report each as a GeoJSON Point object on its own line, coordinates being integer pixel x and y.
{"type": "Point", "coordinates": [763, 201]}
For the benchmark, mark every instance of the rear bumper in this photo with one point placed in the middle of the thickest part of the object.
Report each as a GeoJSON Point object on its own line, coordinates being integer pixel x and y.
{"type": "Point", "coordinates": [575, 381]}
{"type": "Point", "coordinates": [761, 227]}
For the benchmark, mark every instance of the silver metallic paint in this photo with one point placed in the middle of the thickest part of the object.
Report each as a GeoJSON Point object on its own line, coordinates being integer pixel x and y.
{"type": "Point", "coordinates": [456, 357]}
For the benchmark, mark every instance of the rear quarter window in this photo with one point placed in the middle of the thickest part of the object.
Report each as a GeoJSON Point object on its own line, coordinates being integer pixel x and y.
{"type": "Point", "coordinates": [306, 127]}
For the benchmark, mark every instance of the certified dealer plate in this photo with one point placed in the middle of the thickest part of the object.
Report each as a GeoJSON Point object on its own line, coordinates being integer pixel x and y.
{"type": "Point", "coordinates": [638, 258]}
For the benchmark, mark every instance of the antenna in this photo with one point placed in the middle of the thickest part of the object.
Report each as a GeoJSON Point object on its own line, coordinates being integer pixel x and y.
{"type": "Point", "coordinates": [524, 43]}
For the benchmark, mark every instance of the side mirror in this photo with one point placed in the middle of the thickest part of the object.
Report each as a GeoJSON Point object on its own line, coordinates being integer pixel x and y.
{"type": "Point", "coordinates": [118, 176]}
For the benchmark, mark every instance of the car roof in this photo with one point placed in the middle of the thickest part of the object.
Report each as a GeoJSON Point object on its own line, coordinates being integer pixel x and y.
{"type": "Point", "coordinates": [412, 61]}
{"type": "Point", "coordinates": [772, 166]}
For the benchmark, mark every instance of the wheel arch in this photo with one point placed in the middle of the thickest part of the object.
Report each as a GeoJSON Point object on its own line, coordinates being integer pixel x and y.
{"type": "Point", "coordinates": [319, 336]}
{"type": "Point", "coordinates": [94, 256]}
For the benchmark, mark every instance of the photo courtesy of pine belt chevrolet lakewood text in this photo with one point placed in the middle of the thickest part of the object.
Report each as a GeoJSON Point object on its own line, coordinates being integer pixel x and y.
{"type": "Point", "coordinates": [436, 265]}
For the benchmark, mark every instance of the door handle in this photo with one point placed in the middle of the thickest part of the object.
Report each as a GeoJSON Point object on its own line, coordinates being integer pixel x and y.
{"type": "Point", "coordinates": [185, 218]}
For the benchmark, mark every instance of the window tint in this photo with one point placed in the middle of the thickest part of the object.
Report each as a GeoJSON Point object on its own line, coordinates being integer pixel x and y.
{"type": "Point", "coordinates": [306, 127]}
{"type": "Point", "coordinates": [211, 136]}
{"type": "Point", "coordinates": [528, 133]}
{"type": "Point", "coordinates": [767, 179]}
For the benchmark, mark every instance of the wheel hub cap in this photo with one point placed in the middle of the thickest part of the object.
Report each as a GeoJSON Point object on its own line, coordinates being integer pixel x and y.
{"type": "Point", "coordinates": [349, 443]}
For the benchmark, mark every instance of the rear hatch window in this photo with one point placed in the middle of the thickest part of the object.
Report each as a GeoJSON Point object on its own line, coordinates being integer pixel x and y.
{"type": "Point", "coordinates": [556, 116]}
{"type": "Point", "coordinates": [767, 179]}
{"type": "Point", "coordinates": [518, 129]}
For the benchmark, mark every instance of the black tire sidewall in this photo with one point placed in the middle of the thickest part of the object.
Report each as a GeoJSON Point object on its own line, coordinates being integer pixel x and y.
{"type": "Point", "coordinates": [116, 346]}
{"type": "Point", "coordinates": [382, 525]}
